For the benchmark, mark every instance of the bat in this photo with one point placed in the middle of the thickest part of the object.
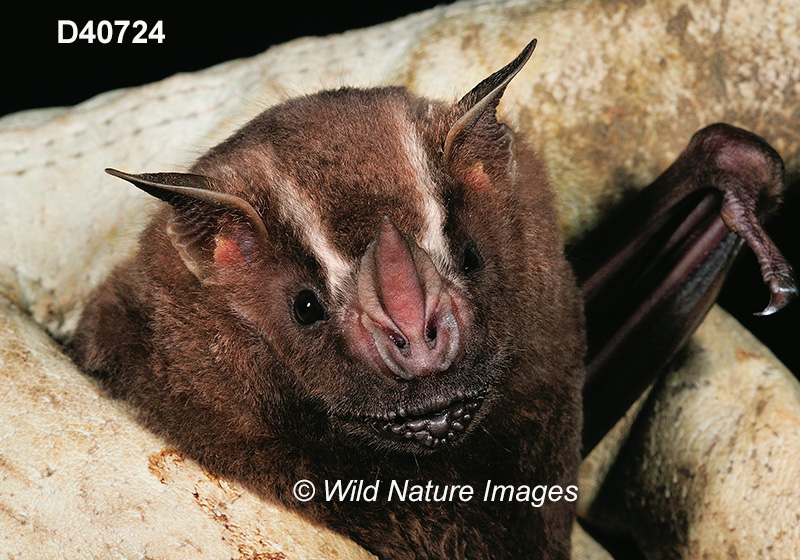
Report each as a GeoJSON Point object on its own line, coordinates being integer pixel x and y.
{"type": "Point", "coordinates": [367, 291]}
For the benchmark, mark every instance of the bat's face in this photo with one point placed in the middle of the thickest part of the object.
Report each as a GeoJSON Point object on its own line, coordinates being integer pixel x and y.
{"type": "Point", "coordinates": [388, 271]}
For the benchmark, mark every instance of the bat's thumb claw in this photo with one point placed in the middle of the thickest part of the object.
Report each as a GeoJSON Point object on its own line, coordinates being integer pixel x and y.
{"type": "Point", "coordinates": [783, 289]}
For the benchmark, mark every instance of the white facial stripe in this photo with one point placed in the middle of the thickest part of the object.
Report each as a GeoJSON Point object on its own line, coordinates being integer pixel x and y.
{"type": "Point", "coordinates": [298, 210]}
{"type": "Point", "coordinates": [432, 237]}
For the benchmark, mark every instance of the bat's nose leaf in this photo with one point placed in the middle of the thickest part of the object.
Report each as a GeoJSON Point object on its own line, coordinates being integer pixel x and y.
{"type": "Point", "coordinates": [406, 308]}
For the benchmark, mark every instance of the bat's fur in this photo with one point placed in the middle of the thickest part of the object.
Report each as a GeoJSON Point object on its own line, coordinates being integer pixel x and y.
{"type": "Point", "coordinates": [215, 361]}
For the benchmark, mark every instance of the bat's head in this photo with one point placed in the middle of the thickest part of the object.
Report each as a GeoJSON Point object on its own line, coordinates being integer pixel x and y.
{"type": "Point", "coordinates": [387, 259]}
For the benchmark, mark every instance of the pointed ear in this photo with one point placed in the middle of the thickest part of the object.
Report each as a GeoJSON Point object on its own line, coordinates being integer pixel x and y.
{"type": "Point", "coordinates": [196, 228]}
{"type": "Point", "coordinates": [477, 109]}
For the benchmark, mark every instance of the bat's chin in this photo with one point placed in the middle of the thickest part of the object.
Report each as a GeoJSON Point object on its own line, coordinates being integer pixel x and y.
{"type": "Point", "coordinates": [442, 421]}
{"type": "Point", "coordinates": [419, 417]}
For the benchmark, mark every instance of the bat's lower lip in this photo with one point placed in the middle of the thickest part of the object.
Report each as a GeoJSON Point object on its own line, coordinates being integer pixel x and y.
{"type": "Point", "coordinates": [433, 425]}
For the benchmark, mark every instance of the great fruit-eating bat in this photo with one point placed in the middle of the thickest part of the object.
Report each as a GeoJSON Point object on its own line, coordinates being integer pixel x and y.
{"type": "Point", "coordinates": [364, 285]}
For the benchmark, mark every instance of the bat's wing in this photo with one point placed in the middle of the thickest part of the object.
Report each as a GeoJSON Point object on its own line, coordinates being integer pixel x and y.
{"type": "Point", "coordinates": [651, 272]}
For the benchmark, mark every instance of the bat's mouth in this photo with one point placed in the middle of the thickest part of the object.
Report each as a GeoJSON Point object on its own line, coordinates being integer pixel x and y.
{"type": "Point", "coordinates": [434, 424]}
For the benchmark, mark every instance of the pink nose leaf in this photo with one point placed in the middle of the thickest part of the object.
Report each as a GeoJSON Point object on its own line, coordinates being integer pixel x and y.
{"type": "Point", "coordinates": [407, 311]}
{"type": "Point", "coordinates": [398, 281]}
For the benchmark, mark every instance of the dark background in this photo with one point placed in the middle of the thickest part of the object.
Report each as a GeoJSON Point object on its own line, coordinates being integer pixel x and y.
{"type": "Point", "coordinates": [40, 72]}
{"type": "Point", "coordinates": [43, 73]}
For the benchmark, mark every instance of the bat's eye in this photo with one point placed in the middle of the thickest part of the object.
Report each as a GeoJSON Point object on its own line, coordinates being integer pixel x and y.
{"type": "Point", "coordinates": [307, 308]}
{"type": "Point", "coordinates": [471, 261]}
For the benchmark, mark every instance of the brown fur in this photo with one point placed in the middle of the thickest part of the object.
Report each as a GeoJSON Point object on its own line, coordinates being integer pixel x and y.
{"type": "Point", "coordinates": [221, 368]}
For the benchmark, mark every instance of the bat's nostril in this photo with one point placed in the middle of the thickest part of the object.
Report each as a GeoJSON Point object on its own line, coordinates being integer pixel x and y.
{"type": "Point", "coordinates": [431, 330]}
{"type": "Point", "coordinates": [397, 339]}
